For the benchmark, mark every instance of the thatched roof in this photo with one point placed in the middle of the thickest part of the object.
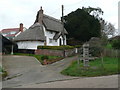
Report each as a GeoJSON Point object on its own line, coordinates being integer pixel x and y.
{"type": "Point", "coordinates": [34, 33]}
{"type": "Point", "coordinates": [53, 24]}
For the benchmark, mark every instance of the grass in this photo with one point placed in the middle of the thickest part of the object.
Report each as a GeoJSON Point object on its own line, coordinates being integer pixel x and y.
{"type": "Point", "coordinates": [96, 68]}
{"type": "Point", "coordinates": [3, 72]}
{"type": "Point", "coordinates": [38, 57]}
{"type": "Point", "coordinates": [109, 46]}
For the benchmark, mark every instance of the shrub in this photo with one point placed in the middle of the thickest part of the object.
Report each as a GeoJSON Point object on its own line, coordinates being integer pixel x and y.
{"type": "Point", "coordinates": [116, 44]}
{"type": "Point", "coordinates": [44, 57]}
{"type": "Point", "coordinates": [95, 51]}
{"type": "Point", "coordinates": [77, 46]}
{"type": "Point", "coordinates": [55, 47]}
{"type": "Point", "coordinates": [4, 73]}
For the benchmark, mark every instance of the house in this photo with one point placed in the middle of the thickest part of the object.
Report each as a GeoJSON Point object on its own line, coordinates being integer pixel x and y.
{"type": "Point", "coordinates": [46, 31]}
{"type": "Point", "coordinates": [115, 38]}
{"type": "Point", "coordinates": [10, 33]}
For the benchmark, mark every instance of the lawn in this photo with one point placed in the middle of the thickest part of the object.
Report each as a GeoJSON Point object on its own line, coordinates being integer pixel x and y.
{"type": "Point", "coordinates": [96, 68]}
{"type": "Point", "coordinates": [38, 57]}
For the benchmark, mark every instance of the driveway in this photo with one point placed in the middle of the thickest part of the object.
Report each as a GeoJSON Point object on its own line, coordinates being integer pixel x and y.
{"type": "Point", "coordinates": [26, 70]}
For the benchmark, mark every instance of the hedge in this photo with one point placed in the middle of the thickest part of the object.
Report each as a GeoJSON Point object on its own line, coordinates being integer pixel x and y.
{"type": "Point", "coordinates": [56, 47]}
{"type": "Point", "coordinates": [116, 44]}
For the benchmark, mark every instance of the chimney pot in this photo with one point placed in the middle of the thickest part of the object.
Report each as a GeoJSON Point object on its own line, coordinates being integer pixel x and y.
{"type": "Point", "coordinates": [21, 27]}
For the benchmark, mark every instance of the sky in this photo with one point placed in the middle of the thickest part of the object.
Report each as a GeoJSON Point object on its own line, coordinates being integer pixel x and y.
{"type": "Point", "coordinates": [14, 12]}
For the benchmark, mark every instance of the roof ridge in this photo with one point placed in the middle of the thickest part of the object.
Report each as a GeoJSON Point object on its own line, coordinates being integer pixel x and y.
{"type": "Point", "coordinates": [52, 18]}
{"type": "Point", "coordinates": [10, 28]}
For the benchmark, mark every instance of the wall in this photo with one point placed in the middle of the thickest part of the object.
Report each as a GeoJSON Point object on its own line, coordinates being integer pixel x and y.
{"type": "Point", "coordinates": [49, 35]}
{"type": "Point", "coordinates": [67, 53]}
{"type": "Point", "coordinates": [29, 44]}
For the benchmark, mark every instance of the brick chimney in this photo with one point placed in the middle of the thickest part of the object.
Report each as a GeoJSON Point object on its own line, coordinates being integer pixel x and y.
{"type": "Point", "coordinates": [40, 19]}
{"type": "Point", "coordinates": [21, 27]}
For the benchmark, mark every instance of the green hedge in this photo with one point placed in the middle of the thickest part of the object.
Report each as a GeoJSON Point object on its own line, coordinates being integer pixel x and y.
{"type": "Point", "coordinates": [56, 47]}
{"type": "Point", "coordinates": [116, 44]}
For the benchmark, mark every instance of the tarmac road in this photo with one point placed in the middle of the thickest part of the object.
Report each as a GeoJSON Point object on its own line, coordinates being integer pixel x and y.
{"type": "Point", "coordinates": [90, 82]}
{"type": "Point", "coordinates": [31, 74]}
{"type": "Point", "coordinates": [27, 70]}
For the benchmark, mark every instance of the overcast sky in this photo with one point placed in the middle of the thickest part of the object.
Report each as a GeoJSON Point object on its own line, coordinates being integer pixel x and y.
{"type": "Point", "coordinates": [13, 12]}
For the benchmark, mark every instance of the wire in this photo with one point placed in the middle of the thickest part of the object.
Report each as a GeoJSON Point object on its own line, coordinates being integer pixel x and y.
{"type": "Point", "coordinates": [54, 11]}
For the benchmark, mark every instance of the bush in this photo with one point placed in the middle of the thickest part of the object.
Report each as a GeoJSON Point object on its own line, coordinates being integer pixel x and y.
{"type": "Point", "coordinates": [44, 57]}
{"type": "Point", "coordinates": [116, 44]}
{"type": "Point", "coordinates": [95, 51]}
{"type": "Point", "coordinates": [55, 47]}
{"type": "Point", "coordinates": [77, 46]}
{"type": "Point", "coordinates": [4, 73]}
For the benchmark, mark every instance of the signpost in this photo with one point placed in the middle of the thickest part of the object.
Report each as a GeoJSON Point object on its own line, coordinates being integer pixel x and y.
{"type": "Point", "coordinates": [86, 55]}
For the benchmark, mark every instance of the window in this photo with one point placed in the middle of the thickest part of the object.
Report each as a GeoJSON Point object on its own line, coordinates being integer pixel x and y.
{"type": "Point", "coordinates": [55, 40]}
{"type": "Point", "coordinates": [51, 32]}
{"type": "Point", "coordinates": [12, 32]}
{"type": "Point", "coordinates": [50, 40]}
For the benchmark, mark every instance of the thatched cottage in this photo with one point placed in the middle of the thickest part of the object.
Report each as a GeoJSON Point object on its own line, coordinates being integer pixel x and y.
{"type": "Point", "coordinates": [46, 30]}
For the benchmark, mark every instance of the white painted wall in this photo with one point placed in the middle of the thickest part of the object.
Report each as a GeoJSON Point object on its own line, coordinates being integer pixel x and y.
{"type": "Point", "coordinates": [62, 40]}
{"type": "Point", "coordinates": [49, 36]}
{"type": "Point", "coordinates": [34, 44]}
{"type": "Point", "coordinates": [29, 44]}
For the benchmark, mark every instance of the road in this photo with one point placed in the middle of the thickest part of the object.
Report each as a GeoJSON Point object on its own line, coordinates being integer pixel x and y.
{"type": "Point", "coordinates": [27, 70]}
{"type": "Point", "coordinates": [91, 82]}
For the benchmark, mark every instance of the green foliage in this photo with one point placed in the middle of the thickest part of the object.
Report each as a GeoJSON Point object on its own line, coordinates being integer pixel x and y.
{"type": "Point", "coordinates": [77, 46]}
{"type": "Point", "coordinates": [95, 51]}
{"type": "Point", "coordinates": [56, 47]}
{"type": "Point", "coordinates": [95, 69]}
{"type": "Point", "coordinates": [91, 9]}
{"type": "Point", "coordinates": [81, 25]}
{"type": "Point", "coordinates": [44, 57]}
{"type": "Point", "coordinates": [116, 44]}
{"type": "Point", "coordinates": [109, 46]}
{"type": "Point", "coordinates": [4, 73]}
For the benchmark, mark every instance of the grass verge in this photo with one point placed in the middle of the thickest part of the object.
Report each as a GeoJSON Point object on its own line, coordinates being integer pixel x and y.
{"type": "Point", "coordinates": [96, 68]}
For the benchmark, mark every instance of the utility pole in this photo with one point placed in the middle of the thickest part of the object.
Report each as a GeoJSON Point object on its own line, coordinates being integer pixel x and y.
{"type": "Point", "coordinates": [63, 30]}
{"type": "Point", "coordinates": [63, 24]}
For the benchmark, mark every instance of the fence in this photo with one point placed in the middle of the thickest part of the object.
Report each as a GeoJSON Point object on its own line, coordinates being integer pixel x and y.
{"type": "Point", "coordinates": [111, 53]}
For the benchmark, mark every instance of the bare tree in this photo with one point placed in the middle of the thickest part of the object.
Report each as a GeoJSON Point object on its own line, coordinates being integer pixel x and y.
{"type": "Point", "coordinates": [109, 29]}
